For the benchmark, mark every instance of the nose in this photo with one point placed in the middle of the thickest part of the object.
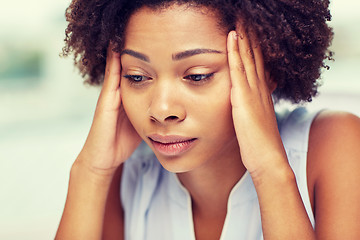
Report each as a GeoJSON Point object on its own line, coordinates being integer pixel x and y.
{"type": "Point", "coordinates": [167, 104]}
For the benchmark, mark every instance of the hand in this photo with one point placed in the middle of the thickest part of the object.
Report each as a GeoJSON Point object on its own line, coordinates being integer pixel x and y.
{"type": "Point", "coordinates": [112, 138]}
{"type": "Point", "coordinates": [252, 106]}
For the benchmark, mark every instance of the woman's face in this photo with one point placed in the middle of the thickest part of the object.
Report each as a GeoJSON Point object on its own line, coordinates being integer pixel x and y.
{"type": "Point", "coordinates": [175, 86]}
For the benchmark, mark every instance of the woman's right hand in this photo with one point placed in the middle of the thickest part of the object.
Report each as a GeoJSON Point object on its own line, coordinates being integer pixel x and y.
{"type": "Point", "coordinates": [112, 139]}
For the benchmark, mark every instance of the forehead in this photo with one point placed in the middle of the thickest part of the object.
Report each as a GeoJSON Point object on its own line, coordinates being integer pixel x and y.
{"type": "Point", "coordinates": [177, 27]}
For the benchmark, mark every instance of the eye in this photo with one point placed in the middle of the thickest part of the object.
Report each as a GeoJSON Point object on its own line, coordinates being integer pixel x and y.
{"type": "Point", "coordinates": [199, 77]}
{"type": "Point", "coordinates": [136, 78]}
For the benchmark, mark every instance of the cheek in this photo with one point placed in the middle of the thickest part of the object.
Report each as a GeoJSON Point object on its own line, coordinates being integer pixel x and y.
{"type": "Point", "coordinates": [215, 110]}
{"type": "Point", "coordinates": [222, 114]}
{"type": "Point", "coordinates": [132, 107]}
{"type": "Point", "coordinates": [220, 103]}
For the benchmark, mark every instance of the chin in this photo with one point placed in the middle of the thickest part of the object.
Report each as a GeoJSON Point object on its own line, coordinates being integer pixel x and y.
{"type": "Point", "coordinates": [175, 164]}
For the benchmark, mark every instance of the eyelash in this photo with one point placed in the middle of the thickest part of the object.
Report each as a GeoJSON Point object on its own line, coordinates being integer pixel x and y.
{"type": "Point", "coordinates": [193, 78]}
{"type": "Point", "coordinates": [132, 79]}
{"type": "Point", "coordinates": [203, 78]}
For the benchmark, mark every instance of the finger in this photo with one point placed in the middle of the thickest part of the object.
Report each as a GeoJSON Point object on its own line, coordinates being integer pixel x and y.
{"type": "Point", "coordinates": [247, 56]}
{"type": "Point", "coordinates": [236, 66]}
{"type": "Point", "coordinates": [109, 98]}
{"type": "Point", "coordinates": [112, 70]}
{"type": "Point", "coordinates": [259, 59]}
{"type": "Point", "coordinates": [265, 80]}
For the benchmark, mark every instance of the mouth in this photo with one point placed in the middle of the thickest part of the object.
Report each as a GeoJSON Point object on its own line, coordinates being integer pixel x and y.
{"type": "Point", "coordinates": [171, 145]}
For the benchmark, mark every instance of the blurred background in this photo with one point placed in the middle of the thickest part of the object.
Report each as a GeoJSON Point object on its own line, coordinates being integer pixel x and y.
{"type": "Point", "coordinates": [46, 110]}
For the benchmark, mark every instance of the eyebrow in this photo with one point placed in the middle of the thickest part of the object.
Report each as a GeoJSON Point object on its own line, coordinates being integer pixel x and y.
{"type": "Point", "coordinates": [175, 57]}
{"type": "Point", "coordinates": [135, 54]}
{"type": "Point", "coordinates": [193, 52]}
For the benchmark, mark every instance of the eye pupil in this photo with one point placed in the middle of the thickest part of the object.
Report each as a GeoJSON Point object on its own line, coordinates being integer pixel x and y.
{"type": "Point", "coordinates": [197, 77]}
{"type": "Point", "coordinates": [137, 78]}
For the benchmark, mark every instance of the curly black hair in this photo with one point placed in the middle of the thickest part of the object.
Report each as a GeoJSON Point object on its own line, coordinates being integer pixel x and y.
{"type": "Point", "coordinates": [293, 35]}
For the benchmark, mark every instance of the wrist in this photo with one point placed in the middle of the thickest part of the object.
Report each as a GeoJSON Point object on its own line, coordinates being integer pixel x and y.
{"type": "Point", "coordinates": [277, 175]}
{"type": "Point", "coordinates": [85, 206]}
{"type": "Point", "coordinates": [86, 162]}
{"type": "Point", "coordinates": [82, 170]}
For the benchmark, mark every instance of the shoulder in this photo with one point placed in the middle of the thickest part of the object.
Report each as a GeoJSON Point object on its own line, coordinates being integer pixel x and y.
{"type": "Point", "coordinates": [334, 138]}
{"type": "Point", "coordinates": [334, 144]}
{"type": "Point", "coordinates": [335, 122]}
{"type": "Point", "coordinates": [333, 173]}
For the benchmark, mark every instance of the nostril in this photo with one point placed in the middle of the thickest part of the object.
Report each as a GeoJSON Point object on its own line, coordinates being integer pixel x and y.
{"type": "Point", "coordinates": [171, 118]}
{"type": "Point", "coordinates": [153, 119]}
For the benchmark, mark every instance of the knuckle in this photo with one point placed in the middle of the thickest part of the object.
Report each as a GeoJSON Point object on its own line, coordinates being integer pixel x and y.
{"type": "Point", "coordinates": [240, 67]}
{"type": "Point", "coordinates": [237, 70]}
{"type": "Point", "coordinates": [250, 53]}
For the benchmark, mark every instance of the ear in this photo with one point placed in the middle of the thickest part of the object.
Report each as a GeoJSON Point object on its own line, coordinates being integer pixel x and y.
{"type": "Point", "coordinates": [271, 83]}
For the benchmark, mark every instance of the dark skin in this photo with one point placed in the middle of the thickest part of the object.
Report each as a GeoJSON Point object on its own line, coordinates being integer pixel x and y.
{"type": "Point", "coordinates": [332, 157]}
{"type": "Point", "coordinates": [288, 47]}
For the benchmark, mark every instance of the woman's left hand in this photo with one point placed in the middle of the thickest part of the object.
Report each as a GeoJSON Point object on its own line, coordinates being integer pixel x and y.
{"type": "Point", "coordinates": [252, 106]}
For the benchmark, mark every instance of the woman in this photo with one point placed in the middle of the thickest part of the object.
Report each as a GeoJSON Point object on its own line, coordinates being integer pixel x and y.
{"type": "Point", "coordinates": [194, 80]}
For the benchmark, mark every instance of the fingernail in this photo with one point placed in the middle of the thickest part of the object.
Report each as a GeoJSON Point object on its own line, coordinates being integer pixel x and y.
{"type": "Point", "coordinates": [235, 36]}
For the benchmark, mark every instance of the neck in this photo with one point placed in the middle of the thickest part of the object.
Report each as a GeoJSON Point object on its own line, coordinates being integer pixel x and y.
{"type": "Point", "coordinates": [211, 184]}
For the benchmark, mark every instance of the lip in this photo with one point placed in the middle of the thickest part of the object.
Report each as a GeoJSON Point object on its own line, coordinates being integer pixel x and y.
{"type": "Point", "coordinates": [171, 145]}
